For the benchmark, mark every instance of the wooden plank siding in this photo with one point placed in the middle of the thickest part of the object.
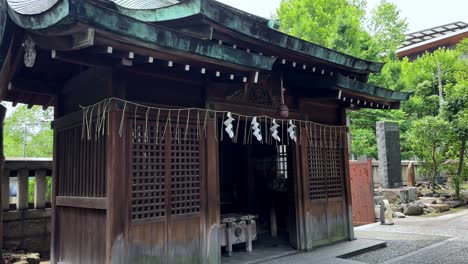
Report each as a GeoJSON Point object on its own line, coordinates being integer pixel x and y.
{"type": "Point", "coordinates": [82, 239]}
{"type": "Point", "coordinates": [81, 168]}
{"type": "Point", "coordinates": [79, 199]}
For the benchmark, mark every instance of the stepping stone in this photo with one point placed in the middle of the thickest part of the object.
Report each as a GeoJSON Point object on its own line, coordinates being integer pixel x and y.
{"type": "Point", "coordinates": [440, 207]}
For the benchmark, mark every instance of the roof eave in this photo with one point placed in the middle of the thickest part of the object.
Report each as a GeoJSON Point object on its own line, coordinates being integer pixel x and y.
{"type": "Point", "coordinates": [371, 90]}
{"type": "Point", "coordinates": [68, 12]}
{"type": "Point", "coordinates": [252, 27]}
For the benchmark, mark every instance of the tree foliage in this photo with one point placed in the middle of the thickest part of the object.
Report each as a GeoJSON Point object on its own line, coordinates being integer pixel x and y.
{"type": "Point", "coordinates": [343, 25]}
{"type": "Point", "coordinates": [28, 131]}
{"type": "Point", "coordinates": [429, 138]}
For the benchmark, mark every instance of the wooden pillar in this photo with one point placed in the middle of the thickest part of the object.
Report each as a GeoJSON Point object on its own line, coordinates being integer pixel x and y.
{"type": "Point", "coordinates": [118, 186]}
{"type": "Point", "coordinates": [6, 190]}
{"type": "Point", "coordinates": [40, 189]}
{"type": "Point", "coordinates": [213, 254]}
{"type": "Point", "coordinates": [346, 153]}
{"type": "Point", "coordinates": [22, 189]}
{"type": "Point", "coordinates": [2, 163]}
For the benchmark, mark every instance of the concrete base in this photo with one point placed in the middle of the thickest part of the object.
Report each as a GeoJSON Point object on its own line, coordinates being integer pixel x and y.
{"type": "Point", "coordinates": [27, 229]}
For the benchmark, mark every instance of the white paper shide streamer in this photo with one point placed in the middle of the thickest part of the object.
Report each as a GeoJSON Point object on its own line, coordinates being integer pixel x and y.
{"type": "Point", "coordinates": [274, 130]}
{"type": "Point", "coordinates": [96, 120]}
{"type": "Point", "coordinates": [256, 129]}
{"type": "Point", "coordinates": [228, 125]}
{"type": "Point", "coordinates": [292, 131]}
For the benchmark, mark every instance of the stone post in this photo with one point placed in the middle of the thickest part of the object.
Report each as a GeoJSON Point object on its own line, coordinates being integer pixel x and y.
{"type": "Point", "coordinates": [40, 189]}
{"type": "Point", "coordinates": [22, 189]}
{"type": "Point", "coordinates": [411, 175]}
{"type": "Point", "coordinates": [388, 145]}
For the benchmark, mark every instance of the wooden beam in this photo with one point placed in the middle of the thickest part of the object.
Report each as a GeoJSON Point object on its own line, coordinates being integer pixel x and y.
{"type": "Point", "coordinates": [81, 59]}
{"type": "Point", "coordinates": [12, 63]}
{"type": "Point", "coordinates": [81, 202]}
{"type": "Point", "coordinates": [79, 40]}
{"type": "Point", "coordinates": [30, 86]}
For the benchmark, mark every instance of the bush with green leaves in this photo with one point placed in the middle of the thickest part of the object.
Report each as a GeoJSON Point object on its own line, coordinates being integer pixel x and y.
{"type": "Point", "coordinates": [429, 138]}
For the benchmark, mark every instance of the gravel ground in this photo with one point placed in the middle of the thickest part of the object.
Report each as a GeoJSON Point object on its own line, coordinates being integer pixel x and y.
{"type": "Point", "coordinates": [419, 240]}
{"type": "Point", "coordinates": [395, 248]}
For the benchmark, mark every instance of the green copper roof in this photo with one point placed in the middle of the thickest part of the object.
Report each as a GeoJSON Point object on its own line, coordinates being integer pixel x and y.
{"type": "Point", "coordinates": [250, 26]}
{"type": "Point", "coordinates": [368, 89]}
{"type": "Point", "coordinates": [68, 12]}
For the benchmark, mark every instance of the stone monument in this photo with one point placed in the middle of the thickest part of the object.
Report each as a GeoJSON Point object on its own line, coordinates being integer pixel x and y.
{"type": "Point", "coordinates": [388, 145]}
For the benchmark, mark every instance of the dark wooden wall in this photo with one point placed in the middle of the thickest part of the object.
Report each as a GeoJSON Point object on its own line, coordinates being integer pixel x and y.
{"type": "Point", "coordinates": [80, 188]}
{"type": "Point", "coordinates": [144, 197]}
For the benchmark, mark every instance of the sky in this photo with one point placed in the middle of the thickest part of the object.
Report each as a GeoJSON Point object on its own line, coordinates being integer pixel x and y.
{"type": "Point", "coordinates": [421, 14]}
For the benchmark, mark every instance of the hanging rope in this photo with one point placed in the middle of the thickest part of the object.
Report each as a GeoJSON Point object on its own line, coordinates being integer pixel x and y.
{"type": "Point", "coordinates": [317, 134]}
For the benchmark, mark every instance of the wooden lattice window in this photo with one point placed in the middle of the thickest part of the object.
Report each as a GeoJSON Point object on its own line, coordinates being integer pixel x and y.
{"type": "Point", "coordinates": [334, 173]}
{"type": "Point", "coordinates": [148, 172]}
{"type": "Point", "coordinates": [317, 180]}
{"type": "Point", "coordinates": [185, 173]}
{"type": "Point", "coordinates": [160, 165]}
{"type": "Point", "coordinates": [326, 175]}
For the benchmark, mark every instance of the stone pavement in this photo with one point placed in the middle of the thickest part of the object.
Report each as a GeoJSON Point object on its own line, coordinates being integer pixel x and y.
{"type": "Point", "coordinates": [329, 254]}
{"type": "Point", "coordinates": [431, 240]}
{"type": "Point", "coordinates": [415, 240]}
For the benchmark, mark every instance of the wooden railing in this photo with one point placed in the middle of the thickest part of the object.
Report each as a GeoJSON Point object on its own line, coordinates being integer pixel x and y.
{"type": "Point", "coordinates": [26, 222]}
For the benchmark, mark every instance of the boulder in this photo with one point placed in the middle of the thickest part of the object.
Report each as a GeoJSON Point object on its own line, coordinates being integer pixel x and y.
{"type": "Point", "coordinates": [391, 196]}
{"type": "Point", "coordinates": [399, 215]}
{"type": "Point", "coordinates": [397, 207]}
{"type": "Point", "coordinates": [429, 194]}
{"type": "Point", "coordinates": [414, 209]}
{"type": "Point", "coordinates": [465, 196]}
{"type": "Point", "coordinates": [429, 210]}
{"type": "Point", "coordinates": [419, 192]}
{"type": "Point", "coordinates": [440, 207]}
{"type": "Point", "coordinates": [454, 203]}
{"type": "Point", "coordinates": [33, 258]}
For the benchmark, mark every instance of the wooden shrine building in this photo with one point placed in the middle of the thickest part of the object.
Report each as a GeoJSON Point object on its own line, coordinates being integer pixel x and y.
{"type": "Point", "coordinates": [185, 128]}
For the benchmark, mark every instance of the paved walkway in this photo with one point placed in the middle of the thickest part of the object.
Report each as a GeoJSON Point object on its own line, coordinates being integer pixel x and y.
{"type": "Point", "coordinates": [442, 239]}
{"type": "Point", "coordinates": [330, 254]}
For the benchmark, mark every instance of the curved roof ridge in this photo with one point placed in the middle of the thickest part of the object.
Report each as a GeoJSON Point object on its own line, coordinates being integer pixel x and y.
{"type": "Point", "coordinates": [145, 4]}
{"type": "Point", "coordinates": [31, 7]}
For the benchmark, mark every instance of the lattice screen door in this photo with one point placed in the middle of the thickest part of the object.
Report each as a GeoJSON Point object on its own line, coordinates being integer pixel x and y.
{"type": "Point", "coordinates": [166, 180]}
{"type": "Point", "coordinates": [166, 176]}
{"type": "Point", "coordinates": [324, 178]}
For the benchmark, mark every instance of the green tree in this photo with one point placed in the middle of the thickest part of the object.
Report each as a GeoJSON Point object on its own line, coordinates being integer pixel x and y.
{"type": "Point", "coordinates": [456, 110]}
{"type": "Point", "coordinates": [28, 131]}
{"type": "Point", "coordinates": [429, 138]}
{"type": "Point", "coordinates": [336, 24]}
{"type": "Point", "coordinates": [387, 27]}
{"type": "Point", "coordinates": [344, 26]}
